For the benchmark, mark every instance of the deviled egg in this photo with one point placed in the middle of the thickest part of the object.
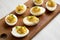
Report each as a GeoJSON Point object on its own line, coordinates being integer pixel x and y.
{"type": "Point", "coordinates": [30, 20]}
{"type": "Point", "coordinates": [51, 5]}
{"type": "Point", "coordinates": [38, 2]}
{"type": "Point", "coordinates": [37, 10]}
{"type": "Point", "coordinates": [20, 9]}
{"type": "Point", "coordinates": [11, 19]}
{"type": "Point", "coordinates": [19, 31]}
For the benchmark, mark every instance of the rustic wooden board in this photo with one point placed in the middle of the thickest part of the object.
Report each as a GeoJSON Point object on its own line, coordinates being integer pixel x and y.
{"type": "Point", "coordinates": [5, 30]}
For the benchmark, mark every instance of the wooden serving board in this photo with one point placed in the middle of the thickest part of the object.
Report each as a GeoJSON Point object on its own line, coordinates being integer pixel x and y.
{"type": "Point", "coordinates": [5, 30]}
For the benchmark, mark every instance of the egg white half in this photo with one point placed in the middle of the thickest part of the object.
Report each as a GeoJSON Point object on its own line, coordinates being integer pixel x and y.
{"type": "Point", "coordinates": [11, 24]}
{"type": "Point", "coordinates": [14, 33]}
{"type": "Point", "coordinates": [25, 7]}
{"type": "Point", "coordinates": [38, 13]}
{"type": "Point", "coordinates": [51, 8]}
{"type": "Point", "coordinates": [37, 3]}
{"type": "Point", "coordinates": [26, 22]}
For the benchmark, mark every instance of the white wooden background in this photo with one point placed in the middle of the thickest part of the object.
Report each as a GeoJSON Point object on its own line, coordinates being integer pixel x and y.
{"type": "Point", "coordinates": [50, 32]}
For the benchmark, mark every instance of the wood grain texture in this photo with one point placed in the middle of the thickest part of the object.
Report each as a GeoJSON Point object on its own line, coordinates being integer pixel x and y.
{"type": "Point", "coordinates": [44, 20]}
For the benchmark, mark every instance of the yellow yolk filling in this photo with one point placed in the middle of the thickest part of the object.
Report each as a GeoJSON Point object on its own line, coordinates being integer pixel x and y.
{"type": "Point", "coordinates": [36, 9]}
{"type": "Point", "coordinates": [32, 18]}
{"type": "Point", "coordinates": [38, 1]}
{"type": "Point", "coordinates": [21, 29]}
{"type": "Point", "coordinates": [51, 3]}
{"type": "Point", "coordinates": [19, 8]}
{"type": "Point", "coordinates": [11, 18]}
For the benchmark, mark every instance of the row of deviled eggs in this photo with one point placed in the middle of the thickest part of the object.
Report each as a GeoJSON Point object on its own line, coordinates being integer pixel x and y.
{"type": "Point", "coordinates": [21, 31]}
{"type": "Point", "coordinates": [37, 10]}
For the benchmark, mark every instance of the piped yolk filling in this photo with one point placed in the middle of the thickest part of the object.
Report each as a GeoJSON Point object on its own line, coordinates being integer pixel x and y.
{"type": "Point", "coordinates": [21, 29]}
{"type": "Point", "coordinates": [36, 9]}
{"type": "Point", "coordinates": [51, 3]}
{"type": "Point", "coordinates": [11, 18]}
{"type": "Point", "coordinates": [20, 8]}
{"type": "Point", "coordinates": [32, 19]}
